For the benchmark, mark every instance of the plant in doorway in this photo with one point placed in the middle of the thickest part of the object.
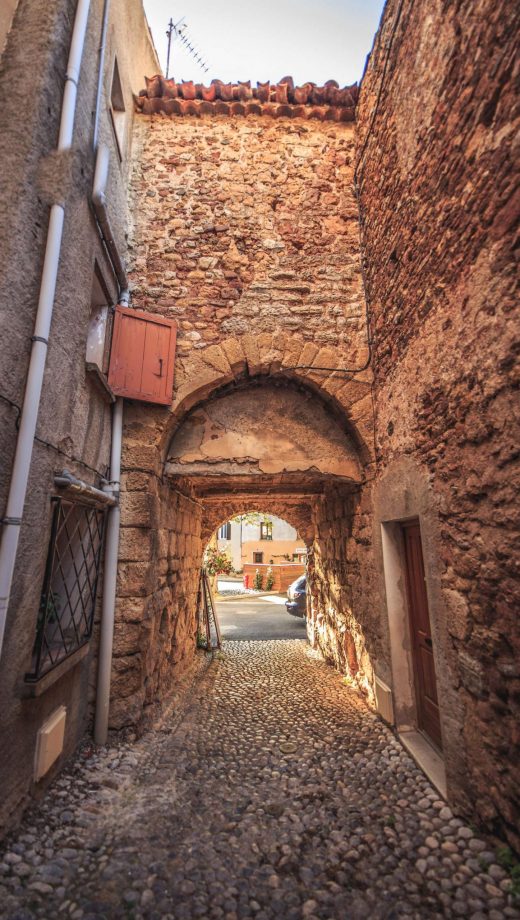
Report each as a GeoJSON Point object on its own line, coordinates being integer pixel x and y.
{"type": "Point", "coordinates": [259, 580]}
{"type": "Point", "coordinates": [217, 562]}
{"type": "Point", "coordinates": [269, 582]}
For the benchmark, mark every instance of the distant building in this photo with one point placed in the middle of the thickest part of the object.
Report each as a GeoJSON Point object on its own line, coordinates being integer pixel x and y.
{"type": "Point", "coordinates": [270, 540]}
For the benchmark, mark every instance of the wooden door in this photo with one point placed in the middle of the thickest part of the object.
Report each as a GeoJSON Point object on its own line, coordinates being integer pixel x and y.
{"type": "Point", "coordinates": [422, 647]}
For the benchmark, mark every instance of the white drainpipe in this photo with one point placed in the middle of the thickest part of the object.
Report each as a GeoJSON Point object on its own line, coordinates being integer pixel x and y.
{"type": "Point", "coordinates": [109, 580]}
{"type": "Point", "coordinates": [106, 638]}
{"type": "Point", "coordinates": [29, 416]}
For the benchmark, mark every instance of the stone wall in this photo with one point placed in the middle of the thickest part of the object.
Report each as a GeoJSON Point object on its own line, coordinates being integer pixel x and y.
{"type": "Point", "coordinates": [158, 574]}
{"type": "Point", "coordinates": [436, 176]}
{"type": "Point", "coordinates": [248, 226]}
{"type": "Point", "coordinates": [245, 230]}
{"type": "Point", "coordinates": [343, 620]}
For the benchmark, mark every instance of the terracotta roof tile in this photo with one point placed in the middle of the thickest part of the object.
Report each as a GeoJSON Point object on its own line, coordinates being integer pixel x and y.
{"type": "Point", "coordinates": [278, 100]}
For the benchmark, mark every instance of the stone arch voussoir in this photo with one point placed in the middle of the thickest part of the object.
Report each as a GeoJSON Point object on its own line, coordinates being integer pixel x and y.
{"type": "Point", "coordinates": [277, 355]}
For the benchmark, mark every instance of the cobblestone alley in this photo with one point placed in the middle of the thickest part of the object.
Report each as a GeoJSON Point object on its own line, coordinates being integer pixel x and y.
{"type": "Point", "coordinates": [273, 792]}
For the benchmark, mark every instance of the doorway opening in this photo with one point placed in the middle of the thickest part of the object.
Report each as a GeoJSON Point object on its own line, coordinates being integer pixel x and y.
{"type": "Point", "coordinates": [427, 701]}
{"type": "Point", "coordinates": [259, 594]}
{"type": "Point", "coordinates": [412, 643]}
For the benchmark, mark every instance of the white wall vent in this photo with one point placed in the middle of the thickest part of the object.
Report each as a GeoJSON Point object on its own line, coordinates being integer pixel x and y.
{"type": "Point", "coordinates": [384, 702]}
{"type": "Point", "coordinates": [49, 742]}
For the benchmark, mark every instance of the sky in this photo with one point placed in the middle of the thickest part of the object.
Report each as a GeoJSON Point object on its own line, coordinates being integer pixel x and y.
{"type": "Point", "coordinates": [314, 40]}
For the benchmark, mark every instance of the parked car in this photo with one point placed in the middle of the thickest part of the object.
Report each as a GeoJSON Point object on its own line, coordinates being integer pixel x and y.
{"type": "Point", "coordinates": [296, 603]}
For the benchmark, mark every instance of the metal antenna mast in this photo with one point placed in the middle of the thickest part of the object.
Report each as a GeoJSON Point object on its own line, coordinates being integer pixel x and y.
{"type": "Point", "coordinates": [178, 30]}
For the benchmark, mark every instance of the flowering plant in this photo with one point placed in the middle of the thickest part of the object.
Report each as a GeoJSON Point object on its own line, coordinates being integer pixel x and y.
{"type": "Point", "coordinates": [218, 562]}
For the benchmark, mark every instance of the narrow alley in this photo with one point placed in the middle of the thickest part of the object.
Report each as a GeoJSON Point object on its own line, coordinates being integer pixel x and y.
{"type": "Point", "coordinates": [275, 792]}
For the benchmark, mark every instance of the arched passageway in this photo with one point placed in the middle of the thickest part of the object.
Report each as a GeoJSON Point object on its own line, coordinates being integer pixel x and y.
{"type": "Point", "coordinates": [266, 443]}
{"type": "Point", "coordinates": [252, 560]}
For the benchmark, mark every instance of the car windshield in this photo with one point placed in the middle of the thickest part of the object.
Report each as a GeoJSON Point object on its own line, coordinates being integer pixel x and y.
{"type": "Point", "coordinates": [300, 583]}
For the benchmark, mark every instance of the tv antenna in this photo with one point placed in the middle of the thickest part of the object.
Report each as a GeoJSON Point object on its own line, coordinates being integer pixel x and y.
{"type": "Point", "coordinates": [179, 30]}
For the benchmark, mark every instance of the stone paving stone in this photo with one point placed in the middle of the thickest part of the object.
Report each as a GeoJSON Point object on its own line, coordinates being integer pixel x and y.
{"type": "Point", "coordinates": [271, 791]}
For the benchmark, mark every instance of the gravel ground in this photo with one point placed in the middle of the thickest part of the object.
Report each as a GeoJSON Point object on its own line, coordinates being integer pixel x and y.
{"type": "Point", "coordinates": [273, 793]}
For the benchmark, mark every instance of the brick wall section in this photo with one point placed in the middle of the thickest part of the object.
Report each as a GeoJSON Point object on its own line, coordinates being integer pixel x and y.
{"type": "Point", "coordinates": [437, 186]}
{"type": "Point", "coordinates": [249, 226]}
{"type": "Point", "coordinates": [283, 575]}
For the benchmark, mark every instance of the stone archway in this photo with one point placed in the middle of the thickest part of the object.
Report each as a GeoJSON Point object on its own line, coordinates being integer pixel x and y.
{"type": "Point", "coordinates": [184, 473]}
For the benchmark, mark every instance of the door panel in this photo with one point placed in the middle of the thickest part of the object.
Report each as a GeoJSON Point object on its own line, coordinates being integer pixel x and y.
{"type": "Point", "coordinates": [126, 368]}
{"type": "Point", "coordinates": [422, 646]}
{"type": "Point", "coordinates": [155, 363]}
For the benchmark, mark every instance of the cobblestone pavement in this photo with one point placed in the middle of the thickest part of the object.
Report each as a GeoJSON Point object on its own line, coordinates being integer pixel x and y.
{"type": "Point", "coordinates": [275, 793]}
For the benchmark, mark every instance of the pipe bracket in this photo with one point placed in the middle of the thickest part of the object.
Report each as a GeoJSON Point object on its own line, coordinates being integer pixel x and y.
{"type": "Point", "coordinates": [12, 521]}
{"type": "Point", "coordinates": [39, 338]}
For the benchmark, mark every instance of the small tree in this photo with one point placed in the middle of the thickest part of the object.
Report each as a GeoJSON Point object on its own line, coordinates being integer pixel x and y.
{"type": "Point", "coordinates": [269, 582]}
{"type": "Point", "coordinates": [259, 580]}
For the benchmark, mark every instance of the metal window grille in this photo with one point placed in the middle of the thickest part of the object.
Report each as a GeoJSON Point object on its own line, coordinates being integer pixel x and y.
{"type": "Point", "coordinates": [68, 599]}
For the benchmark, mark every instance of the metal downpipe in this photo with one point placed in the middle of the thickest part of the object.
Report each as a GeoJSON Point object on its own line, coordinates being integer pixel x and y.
{"type": "Point", "coordinates": [109, 582]}
{"type": "Point", "coordinates": [29, 416]}
{"type": "Point", "coordinates": [101, 68]}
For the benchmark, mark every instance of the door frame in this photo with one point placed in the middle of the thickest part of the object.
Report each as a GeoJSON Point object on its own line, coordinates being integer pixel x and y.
{"type": "Point", "coordinates": [420, 701]}
{"type": "Point", "coordinates": [404, 688]}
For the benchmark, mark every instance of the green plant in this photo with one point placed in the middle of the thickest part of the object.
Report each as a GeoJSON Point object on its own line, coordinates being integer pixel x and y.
{"type": "Point", "coordinates": [508, 861]}
{"type": "Point", "coordinates": [269, 582]}
{"type": "Point", "coordinates": [252, 517]}
{"type": "Point", "coordinates": [202, 641]}
{"type": "Point", "coordinates": [258, 581]}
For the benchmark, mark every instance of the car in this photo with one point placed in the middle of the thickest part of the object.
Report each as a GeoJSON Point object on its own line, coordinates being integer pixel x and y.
{"type": "Point", "coordinates": [296, 603]}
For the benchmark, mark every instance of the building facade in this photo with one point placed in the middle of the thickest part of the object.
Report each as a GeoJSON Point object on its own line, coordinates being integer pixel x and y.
{"type": "Point", "coordinates": [337, 267]}
{"type": "Point", "coordinates": [44, 675]}
{"type": "Point", "coordinates": [269, 540]}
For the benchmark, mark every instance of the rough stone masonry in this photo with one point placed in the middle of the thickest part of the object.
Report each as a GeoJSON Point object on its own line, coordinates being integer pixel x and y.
{"type": "Point", "coordinates": [246, 229]}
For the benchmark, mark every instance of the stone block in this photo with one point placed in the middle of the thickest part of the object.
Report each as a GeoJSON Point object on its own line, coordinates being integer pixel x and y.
{"type": "Point", "coordinates": [252, 353]}
{"type": "Point", "coordinates": [132, 609]}
{"type": "Point", "coordinates": [134, 579]}
{"type": "Point", "coordinates": [135, 544]}
{"type": "Point", "coordinates": [137, 509]}
{"type": "Point", "coordinates": [126, 711]}
{"type": "Point", "coordinates": [232, 348]}
{"type": "Point", "coordinates": [126, 676]}
{"type": "Point", "coordinates": [126, 639]}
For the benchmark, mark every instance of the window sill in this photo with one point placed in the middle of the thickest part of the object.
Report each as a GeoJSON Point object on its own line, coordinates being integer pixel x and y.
{"type": "Point", "coordinates": [100, 382]}
{"type": "Point", "coordinates": [36, 688]}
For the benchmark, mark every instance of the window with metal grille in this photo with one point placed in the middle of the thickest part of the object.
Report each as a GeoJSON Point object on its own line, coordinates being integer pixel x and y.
{"type": "Point", "coordinates": [266, 531]}
{"type": "Point", "coordinates": [68, 597]}
{"type": "Point", "coordinates": [258, 558]}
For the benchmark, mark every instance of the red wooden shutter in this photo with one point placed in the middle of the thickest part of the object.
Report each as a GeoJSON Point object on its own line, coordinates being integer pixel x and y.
{"type": "Point", "coordinates": [143, 356]}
